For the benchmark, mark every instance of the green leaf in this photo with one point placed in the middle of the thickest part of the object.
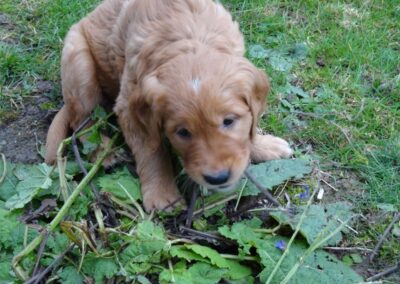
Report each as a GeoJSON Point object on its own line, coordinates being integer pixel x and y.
{"type": "Point", "coordinates": [272, 173]}
{"type": "Point", "coordinates": [210, 254]}
{"type": "Point", "coordinates": [203, 273]}
{"type": "Point", "coordinates": [32, 179]}
{"type": "Point", "coordinates": [187, 254]}
{"type": "Point", "coordinates": [237, 271]}
{"type": "Point", "coordinates": [69, 275]}
{"type": "Point", "coordinates": [356, 257]}
{"type": "Point", "coordinates": [318, 266]}
{"type": "Point", "coordinates": [258, 52]}
{"type": "Point", "coordinates": [243, 234]}
{"type": "Point", "coordinates": [99, 268]}
{"type": "Point", "coordinates": [280, 63]}
{"type": "Point", "coordinates": [7, 188]}
{"type": "Point", "coordinates": [319, 222]}
{"type": "Point", "coordinates": [6, 273]}
{"type": "Point", "coordinates": [387, 207]}
{"type": "Point", "coordinates": [299, 51]}
{"type": "Point", "coordinates": [9, 225]}
{"type": "Point", "coordinates": [115, 182]}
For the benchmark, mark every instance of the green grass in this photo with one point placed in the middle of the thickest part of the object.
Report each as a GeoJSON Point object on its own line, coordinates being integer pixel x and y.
{"type": "Point", "coordinates": [351, 120]}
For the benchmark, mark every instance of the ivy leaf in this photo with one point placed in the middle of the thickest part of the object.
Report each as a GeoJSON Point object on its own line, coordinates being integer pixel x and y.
{"type": "Point", "coordinates": [319, 222]}
{"type": "Point", "coordinates": [114, 182]}
{"type": "Point", "coordinates": [69, 275]}
{"type": "Point", "coordinates": [32, 180]}
{"type": "Point", "coordinates": [272, 173]}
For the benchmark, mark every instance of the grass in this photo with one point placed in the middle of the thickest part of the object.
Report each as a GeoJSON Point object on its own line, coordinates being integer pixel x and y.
{"type": "Point", "coordinates": [350, 119]}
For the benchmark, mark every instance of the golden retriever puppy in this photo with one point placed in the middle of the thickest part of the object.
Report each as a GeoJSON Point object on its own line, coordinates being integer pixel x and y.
{"type": "Point", "coordinates": [175, 69]}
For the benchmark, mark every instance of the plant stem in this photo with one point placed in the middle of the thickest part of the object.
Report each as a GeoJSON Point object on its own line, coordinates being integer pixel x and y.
{"type": "Point", "coordinates": [19, 271]}
{"type": "Point", "coordinates": [3, 176]}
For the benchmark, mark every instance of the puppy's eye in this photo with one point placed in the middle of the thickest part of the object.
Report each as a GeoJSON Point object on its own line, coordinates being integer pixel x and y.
{"type": "Point", "coordinates": [228, 122]}
{"type": "Point", "coordinates": [184, 133]}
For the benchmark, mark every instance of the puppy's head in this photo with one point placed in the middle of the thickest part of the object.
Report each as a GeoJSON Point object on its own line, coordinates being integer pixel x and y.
{"type": "Point", "coordinates": [207, 106]}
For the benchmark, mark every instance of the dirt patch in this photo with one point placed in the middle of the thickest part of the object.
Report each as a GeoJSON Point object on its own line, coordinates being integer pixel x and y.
{"type": "Point", "coordinates": [22, 136]}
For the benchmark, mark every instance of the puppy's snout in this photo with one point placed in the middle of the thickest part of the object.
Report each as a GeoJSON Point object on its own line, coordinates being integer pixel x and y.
{"type": "Point", "coordinates": [218, 177]}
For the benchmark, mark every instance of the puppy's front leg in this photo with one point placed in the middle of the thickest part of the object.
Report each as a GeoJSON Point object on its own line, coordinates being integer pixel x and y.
{"type": "Point", "coordinates": [157, 180]}
{"type": "Point", "coordinates": [268, 147]}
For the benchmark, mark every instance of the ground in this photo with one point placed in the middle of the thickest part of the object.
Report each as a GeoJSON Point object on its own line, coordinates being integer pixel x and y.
{"type": "Point", "coordinates": [335, 74]}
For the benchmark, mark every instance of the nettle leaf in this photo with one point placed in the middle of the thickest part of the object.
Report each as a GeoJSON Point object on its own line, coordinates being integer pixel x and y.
{"type": "Point", "coordinates": [32, 180]}
{"type": "Point", "coordinates": [145, 250]}
{"type": "Point", "coordinates": [69, 275]}
{"type": "Point", "coordinates": [243, 234]}
{"type": "Point", "coordinates": [92, 141]}
{"type": "Point", "coordinates": [99, 268]}
{"type": "Point", "coordinates": [318, 266]}
{"type": "Point", "coordinates": [117, 181]}
{"type": "Point", "coordinates": [9, 184]}
{"type": "Point", "coordinates": [187, 254]}
{"type": "Point", "coordinates": [319, 222]}
{"type": "Point", "coordinates": [9, 225]}
{"type": "Point", "coordinates": [272, 173]}
{"type": "Point", "coordinates": [6, 273]}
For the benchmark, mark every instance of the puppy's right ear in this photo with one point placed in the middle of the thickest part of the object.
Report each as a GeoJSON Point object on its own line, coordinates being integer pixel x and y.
{"type": "Point", "coordinates": [140, 110]}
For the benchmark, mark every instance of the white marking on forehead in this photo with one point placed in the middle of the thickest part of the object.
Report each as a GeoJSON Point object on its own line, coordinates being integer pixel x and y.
{"type": "Point", "coordinates": [196, 85]}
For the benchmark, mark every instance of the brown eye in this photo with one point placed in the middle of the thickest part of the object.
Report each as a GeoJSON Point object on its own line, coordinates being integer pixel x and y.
{"type": "Point", "coordinates": [184, 133]}
{"type": "Point", "coordinates": [228, 122]}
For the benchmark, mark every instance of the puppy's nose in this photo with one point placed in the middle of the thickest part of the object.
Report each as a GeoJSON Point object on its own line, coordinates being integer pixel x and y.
{"type": "Point", "coordinates": [218, 177]}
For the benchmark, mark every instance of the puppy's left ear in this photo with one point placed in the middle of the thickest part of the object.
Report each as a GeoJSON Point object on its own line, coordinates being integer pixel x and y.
{"type": "Point", "coordinates": [256, 99]}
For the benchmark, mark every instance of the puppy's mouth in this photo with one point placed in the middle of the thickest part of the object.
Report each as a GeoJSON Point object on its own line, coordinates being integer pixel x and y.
{"type": "Point", "coordinates": [222, 188]}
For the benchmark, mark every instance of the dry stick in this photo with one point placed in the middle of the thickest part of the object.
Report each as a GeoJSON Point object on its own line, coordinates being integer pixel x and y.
{"type": "Point", "coordinates": [19, 271]}
{"type": "Point", "coordinates": [3, 176]}
{"type": "Point", "coordinates": [384, 273]}
{"type": "Point", "coordinates": [383, 237]}
{"type": "Point", "coordinates": [265, 191]}
{"type": "Point", "coordinates": [303, 215]}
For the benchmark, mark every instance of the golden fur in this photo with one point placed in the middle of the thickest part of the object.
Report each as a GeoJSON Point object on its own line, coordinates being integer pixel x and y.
{"type": "Point", "coordinates": [175, 69]}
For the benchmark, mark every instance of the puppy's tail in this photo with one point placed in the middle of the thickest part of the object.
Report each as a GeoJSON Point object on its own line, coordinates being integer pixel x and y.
{"type": "Point", "coordinates": [58, 131]}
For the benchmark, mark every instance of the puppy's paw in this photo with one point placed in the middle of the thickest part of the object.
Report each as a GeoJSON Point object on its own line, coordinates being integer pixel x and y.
{"type": "Point", "coordinates": [268, 147]}
{"type": "Point", "coordinates": [162, 199]}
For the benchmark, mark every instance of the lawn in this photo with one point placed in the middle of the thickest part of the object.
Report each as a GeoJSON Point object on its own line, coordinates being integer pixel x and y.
{"type": "Point", "coordinates": [334, 67]}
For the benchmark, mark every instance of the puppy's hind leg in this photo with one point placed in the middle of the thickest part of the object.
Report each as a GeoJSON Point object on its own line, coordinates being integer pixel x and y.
{"type": "Point", "coordinates": [81, 91]}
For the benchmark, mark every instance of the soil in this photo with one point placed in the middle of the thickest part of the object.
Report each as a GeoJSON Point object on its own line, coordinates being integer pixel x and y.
{"type": "Point", "coordinates": [22, 135]}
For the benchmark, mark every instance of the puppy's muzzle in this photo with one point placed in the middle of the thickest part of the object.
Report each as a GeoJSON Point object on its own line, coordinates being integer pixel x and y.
{"type": "Point", "coordinates": [217, 178]}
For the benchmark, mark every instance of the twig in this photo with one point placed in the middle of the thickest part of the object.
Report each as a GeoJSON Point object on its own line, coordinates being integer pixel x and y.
{"type": "Point", "coordinates": [264, 191]}
{"type": "Point", "coordinates": [348, 248]}
{"type": "Point", "coordinates": [39, 277]}
{"type": "Point", "coordinates": [303, 215]}
{"type": "Point", "coordinates": [208, 207]}
{"type": "Point", "coordinates": [384, 273]}
{"type": "Point", "coordinates": [19, 271]}
{"type": "Point", "coordinates": [192, 205]}
{"type": "Point", "coordinates": [240, 194]}
{"type": "Point", "coordinates": [4, 174]}
{"type": "Point", "coordinates": [40, 252]}
{"type": "Point", "coordinates": [396, 218]}
{"type": "Point", "coordinates": [328, 184]}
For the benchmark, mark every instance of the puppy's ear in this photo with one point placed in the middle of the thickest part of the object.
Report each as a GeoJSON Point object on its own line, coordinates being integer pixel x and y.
{"type": "Point", "coordinates": [256, 98]}
{"type": "Point", "coordinates": [146, 107]}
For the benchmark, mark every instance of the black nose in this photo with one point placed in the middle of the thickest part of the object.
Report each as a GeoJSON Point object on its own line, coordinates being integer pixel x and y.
{"type": "Point", "coordinates": [217, 178]}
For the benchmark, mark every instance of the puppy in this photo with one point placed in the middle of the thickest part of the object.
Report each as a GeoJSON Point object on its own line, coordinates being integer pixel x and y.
{"type": "Point", "coordinates": [175, 69]}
